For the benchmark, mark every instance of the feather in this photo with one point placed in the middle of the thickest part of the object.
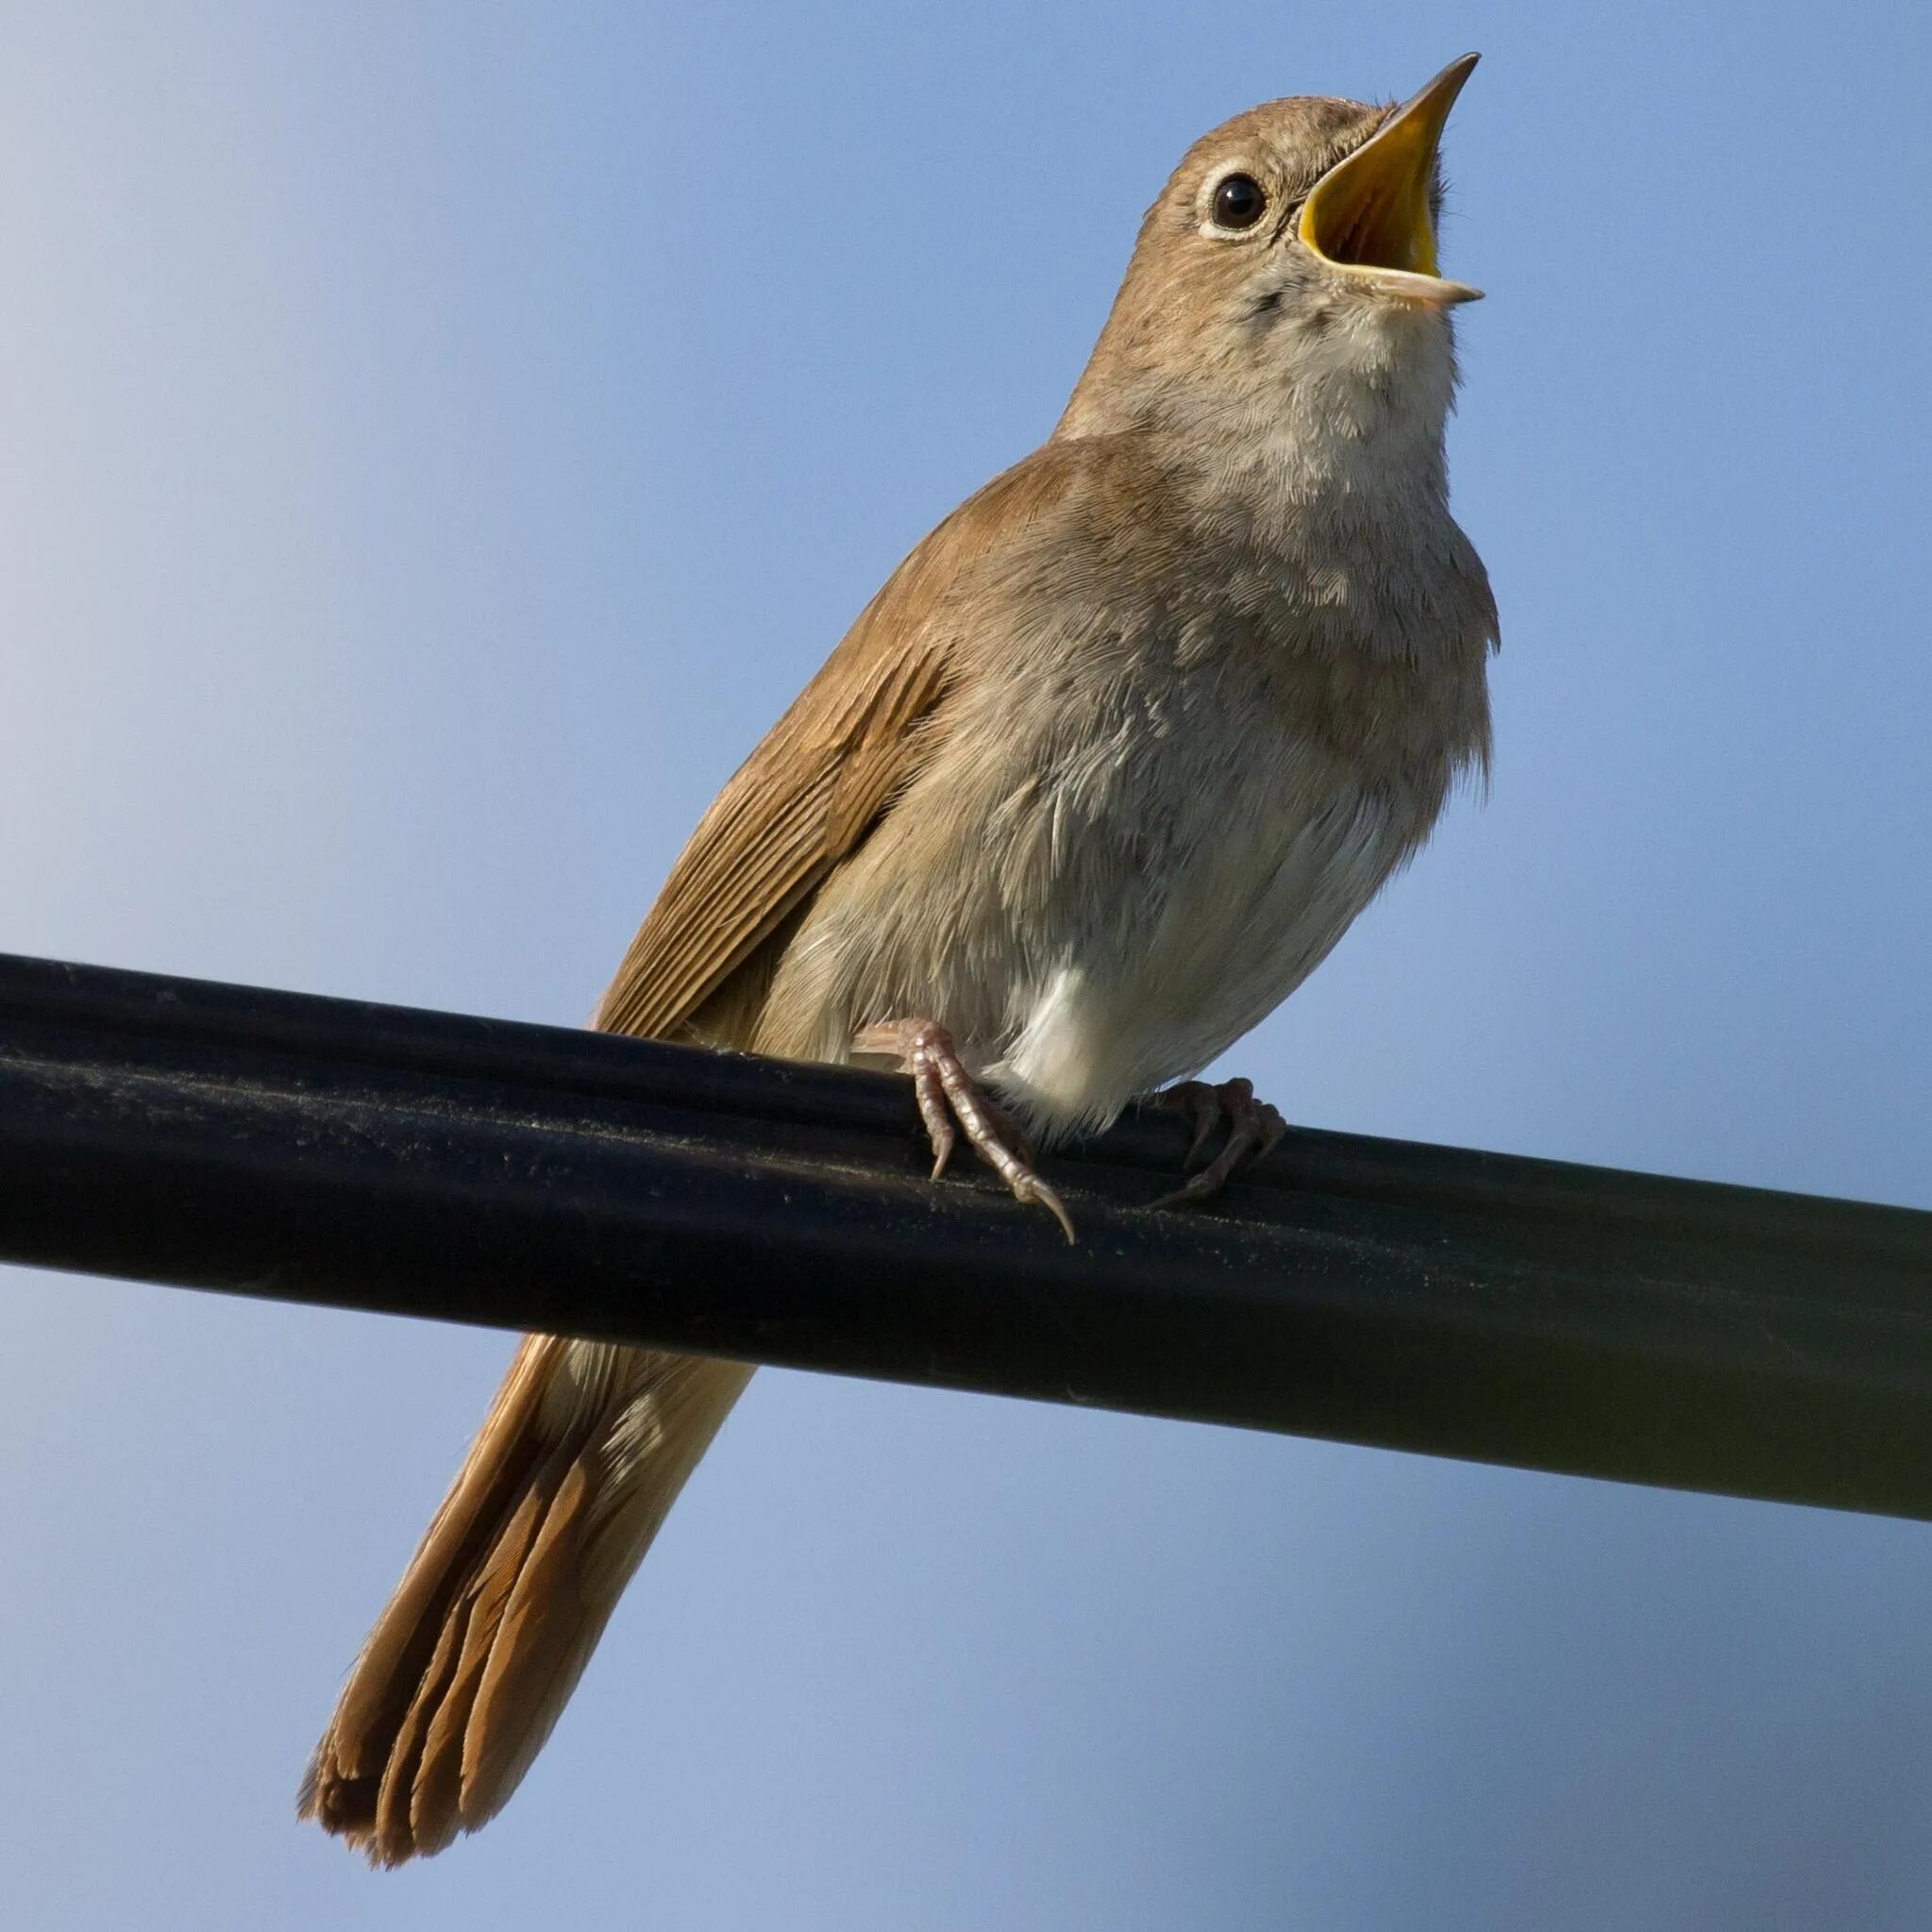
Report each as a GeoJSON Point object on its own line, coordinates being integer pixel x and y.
{"type": "Point", "coordinates": [818, 782]}
{"type": "Point", "coordinates": [583, 1452]}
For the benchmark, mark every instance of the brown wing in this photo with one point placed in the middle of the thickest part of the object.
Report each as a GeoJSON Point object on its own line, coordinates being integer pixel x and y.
{"type": "Point", "coordinates": [824, 773]}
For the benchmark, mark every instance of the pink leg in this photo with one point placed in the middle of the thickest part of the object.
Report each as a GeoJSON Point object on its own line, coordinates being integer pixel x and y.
{"type": "Point", "coordinates": [946, 1093]}
{"type": "Point", "coordinates": [1254, 1128]}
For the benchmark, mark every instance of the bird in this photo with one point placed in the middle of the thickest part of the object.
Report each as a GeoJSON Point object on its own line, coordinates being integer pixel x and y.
{"type": "Point", "coordinates": [1096, 780]}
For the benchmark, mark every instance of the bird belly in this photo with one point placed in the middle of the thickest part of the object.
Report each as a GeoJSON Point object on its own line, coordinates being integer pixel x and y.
{"type": "Point", "coordinates": [1094, 919]}
{"type": "Point", "coordinates": [1212, 943]}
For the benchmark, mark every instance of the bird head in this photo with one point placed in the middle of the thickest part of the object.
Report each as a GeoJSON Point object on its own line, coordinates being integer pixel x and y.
{"type": "Point", "coordinates": [1295, 245]}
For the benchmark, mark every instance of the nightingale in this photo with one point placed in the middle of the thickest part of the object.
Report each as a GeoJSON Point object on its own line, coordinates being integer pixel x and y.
{"type": "Point", "coordinates": [1094, 782]}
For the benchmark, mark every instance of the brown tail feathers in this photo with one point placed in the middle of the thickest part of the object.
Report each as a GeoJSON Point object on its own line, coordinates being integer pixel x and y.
{"type": "Point", "coordinates": [583, 1453]}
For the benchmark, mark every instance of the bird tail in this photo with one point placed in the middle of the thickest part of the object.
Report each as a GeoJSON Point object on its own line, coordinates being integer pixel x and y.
{"type": "Point", "coordinates": [583, 1453]}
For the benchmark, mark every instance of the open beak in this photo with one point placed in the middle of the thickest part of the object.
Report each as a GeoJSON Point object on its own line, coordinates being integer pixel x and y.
{"type": "Point", "coordinates": [1368, 215]}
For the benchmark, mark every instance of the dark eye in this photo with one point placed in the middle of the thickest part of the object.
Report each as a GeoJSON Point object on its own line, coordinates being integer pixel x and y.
{"type": "Point", "coordinates": [1237, 202]}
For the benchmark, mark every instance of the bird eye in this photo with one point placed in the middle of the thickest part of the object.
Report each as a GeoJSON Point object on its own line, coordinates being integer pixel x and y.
{"type": "Point", "coordinates": [1238, 202]}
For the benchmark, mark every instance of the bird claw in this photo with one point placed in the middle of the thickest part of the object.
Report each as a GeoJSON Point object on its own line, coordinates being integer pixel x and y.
{"type": "Point", "coordinates": [946, 1094]}
{"type": "Point", "coordinates": [1253, 1129]}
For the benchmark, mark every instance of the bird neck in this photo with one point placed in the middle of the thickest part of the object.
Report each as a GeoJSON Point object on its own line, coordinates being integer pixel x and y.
{"type": "Point", "coordinates": [1350, 421]}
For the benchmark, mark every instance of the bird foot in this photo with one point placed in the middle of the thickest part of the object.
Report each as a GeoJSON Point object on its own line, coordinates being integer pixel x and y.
{"type": "Point", "coordinates": [947, 1093]}
{"type": "Point", "coordinates": [1254, 1128]}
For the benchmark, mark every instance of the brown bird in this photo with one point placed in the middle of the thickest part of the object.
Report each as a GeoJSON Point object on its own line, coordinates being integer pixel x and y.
{"type": "Point", "coordinates": [1094, 782]}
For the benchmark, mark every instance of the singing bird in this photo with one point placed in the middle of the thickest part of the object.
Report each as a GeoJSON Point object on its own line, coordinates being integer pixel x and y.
{"type": "Point", "coordinates": [1094, 782]}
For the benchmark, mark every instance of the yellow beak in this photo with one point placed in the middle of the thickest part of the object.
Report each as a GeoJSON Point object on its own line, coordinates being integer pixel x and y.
{"type": "Point", "coordinates": [1368, 215]}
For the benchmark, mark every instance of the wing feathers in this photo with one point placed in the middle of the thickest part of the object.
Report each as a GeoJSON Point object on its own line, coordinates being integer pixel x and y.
{"type": "Point", "coordinates": [817, 784]}
{"type": "Point", "coordinates": [587, 1445]}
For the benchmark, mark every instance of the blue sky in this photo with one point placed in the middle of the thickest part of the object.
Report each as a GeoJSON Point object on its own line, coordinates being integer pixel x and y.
{"type": "Point", "coordinates": [438, 441]}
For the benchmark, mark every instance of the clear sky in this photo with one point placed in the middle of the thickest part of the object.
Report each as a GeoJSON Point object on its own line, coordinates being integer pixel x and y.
{"type": "Point", "coordinates": [436, 441]}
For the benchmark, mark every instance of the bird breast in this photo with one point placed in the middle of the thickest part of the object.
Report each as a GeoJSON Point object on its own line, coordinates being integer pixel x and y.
{"type": "Point", "coordinates": [1112, 866]}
